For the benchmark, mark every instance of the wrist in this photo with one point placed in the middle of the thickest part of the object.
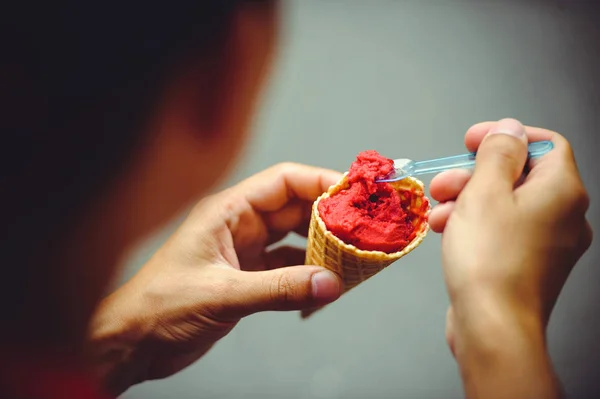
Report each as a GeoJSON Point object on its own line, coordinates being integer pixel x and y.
{"type": "Point", "coordinates": [501, 350]}
{"type": "Point", "coordinates": [114, 335]}
{"type": "Point", "coordinates": [485, 317]}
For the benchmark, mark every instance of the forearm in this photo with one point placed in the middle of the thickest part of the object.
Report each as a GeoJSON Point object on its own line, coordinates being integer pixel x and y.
{"type": "Point", "coordinates": [503, 354]}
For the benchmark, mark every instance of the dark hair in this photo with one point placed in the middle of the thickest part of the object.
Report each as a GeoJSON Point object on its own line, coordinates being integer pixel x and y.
{"type": "Point", "coordinates": [78, 80]}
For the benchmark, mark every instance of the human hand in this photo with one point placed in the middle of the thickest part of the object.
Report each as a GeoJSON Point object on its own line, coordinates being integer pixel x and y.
{"type": "Point", "coordinates": [508, 246]}
{"type": "Point", "coordinates": [213, 271]}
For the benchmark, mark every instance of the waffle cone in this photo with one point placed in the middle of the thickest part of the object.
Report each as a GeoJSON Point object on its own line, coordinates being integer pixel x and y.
{"type": "Point", "coordinates": [354, 265]}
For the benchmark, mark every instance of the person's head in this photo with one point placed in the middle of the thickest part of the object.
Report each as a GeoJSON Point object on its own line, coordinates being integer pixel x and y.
{"type": "Point", "coordinates": [114, 117]}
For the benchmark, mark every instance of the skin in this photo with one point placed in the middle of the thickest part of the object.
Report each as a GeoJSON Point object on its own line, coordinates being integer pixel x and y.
{"type": "Point", "coordinates": [184, 156]}
{"type": "Point", "coordinates": [501, 300]}
{"type": "Point", "coordinates": [219, 266]}
{"type": "Point", "coordinates": [216, 268]}
{"type": "Point", "coordinates": [212, 272]}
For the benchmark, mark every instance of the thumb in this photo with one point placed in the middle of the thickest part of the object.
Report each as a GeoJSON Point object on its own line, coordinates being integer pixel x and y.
{"type": "Point", "coordinates": [501, 157]}
{"type": "Point", "coordinates": [286, 288]}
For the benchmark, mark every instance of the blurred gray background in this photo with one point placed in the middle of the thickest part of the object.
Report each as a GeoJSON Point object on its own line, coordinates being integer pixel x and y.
{"type": "Point", "coordinates": [406, 78]}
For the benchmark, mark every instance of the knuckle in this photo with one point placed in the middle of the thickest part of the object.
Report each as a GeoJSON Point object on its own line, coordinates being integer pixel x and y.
{"type": "Point", "coordinates": [281, 289]}
{"type": "Point", "coordinates": [566, 145]}
{"type": "Point", "coordinates": [566, 158]}
{"type": "Point", "coordinates": [506, 156]}
{"type": "Point", "coordinates": [584, 200]}
{"type": "Point", "coordinates": [577, 197]}
{"type": "Point", "coordinates": [285, 167]}
{"type": "Point", "coordinates": [200, 205]}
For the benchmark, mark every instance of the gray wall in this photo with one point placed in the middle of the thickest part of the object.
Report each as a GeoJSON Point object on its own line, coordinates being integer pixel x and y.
{"type": "Point", "coordinates": [406, 78]}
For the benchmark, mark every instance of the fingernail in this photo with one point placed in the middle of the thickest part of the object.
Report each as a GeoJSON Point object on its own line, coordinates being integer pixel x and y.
{"type": "Point", "coordinates": [512, 127]}
{"type": "Point", "coordinates": [325, 286]}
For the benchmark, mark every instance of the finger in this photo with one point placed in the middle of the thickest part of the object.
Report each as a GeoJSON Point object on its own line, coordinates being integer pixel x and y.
{"type": "Point", "coordinates": [561, 156]}
{"type": "Point", "coordinates": [477, 133]}
{"type": "Point", "coordinates": [447, 185]}
{"type": "Point", "coordinates": [560, 159]}
{"type": "Point", "coordinates": [438, 217]}
{"type": "Point", "coordinates": [556, 172]}
{"type": "Point", "coordinates": [284, 256]}
{"type": "Point", "coordinates": [500, 160]}
{"type": "Point", "coordinates": [273, 188]}
{"type": "Point", "coordinates": [284, 289]}
{"type": "Point", "coordinates": [293, 216]}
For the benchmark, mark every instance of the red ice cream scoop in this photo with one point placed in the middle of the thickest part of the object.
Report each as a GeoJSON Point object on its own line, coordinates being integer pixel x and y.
{"type": "Point", "coordinates": [371, 216]}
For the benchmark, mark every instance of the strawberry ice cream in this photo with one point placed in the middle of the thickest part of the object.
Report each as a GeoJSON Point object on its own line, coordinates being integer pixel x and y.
{"type": "Point", "coordinates": [371, 216]}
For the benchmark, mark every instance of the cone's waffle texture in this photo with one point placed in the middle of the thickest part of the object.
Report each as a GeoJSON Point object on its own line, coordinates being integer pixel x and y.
{"type": "Point", "coordinates": [354, 265]}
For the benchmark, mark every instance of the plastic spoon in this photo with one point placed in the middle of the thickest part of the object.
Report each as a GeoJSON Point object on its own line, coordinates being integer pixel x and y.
{"type": "Point", "coordinates": [404, 168]}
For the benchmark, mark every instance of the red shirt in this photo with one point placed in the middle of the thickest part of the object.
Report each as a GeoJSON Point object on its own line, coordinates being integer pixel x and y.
{"type": "Point", "coordinates": [27, 379]}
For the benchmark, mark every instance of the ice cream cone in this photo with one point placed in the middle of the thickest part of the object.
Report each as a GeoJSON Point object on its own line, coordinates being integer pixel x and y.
{"type": "Point", "coordinates": [354, 265]}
